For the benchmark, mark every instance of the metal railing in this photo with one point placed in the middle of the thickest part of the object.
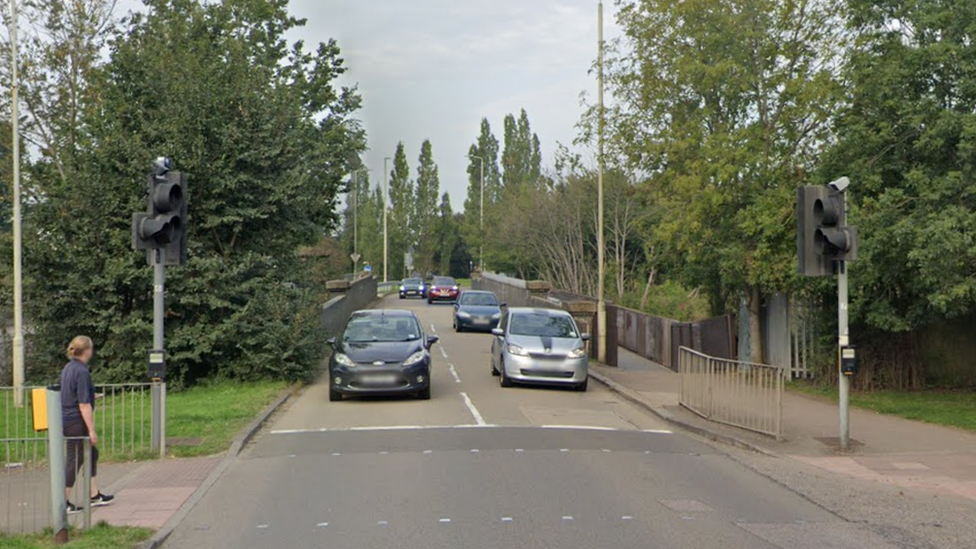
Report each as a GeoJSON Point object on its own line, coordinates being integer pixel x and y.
{"type": "Point", "coordinates": [733, 392]}
{"type": "Point", "coordinates": [123, 421]}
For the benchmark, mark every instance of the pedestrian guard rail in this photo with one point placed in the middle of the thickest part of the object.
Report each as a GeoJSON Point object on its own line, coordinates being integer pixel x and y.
{"type": "Point", "coordinates": [737, 393]}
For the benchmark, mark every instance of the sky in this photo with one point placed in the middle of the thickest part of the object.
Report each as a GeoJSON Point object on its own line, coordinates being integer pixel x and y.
{"type": "Point", "coordinates": [432, 69]}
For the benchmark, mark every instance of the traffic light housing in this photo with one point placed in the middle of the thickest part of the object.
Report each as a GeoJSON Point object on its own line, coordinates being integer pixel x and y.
{"type": "Point", "coordinates": [822, 236]}
{"type": "Point", "coordinates": [163, 226]}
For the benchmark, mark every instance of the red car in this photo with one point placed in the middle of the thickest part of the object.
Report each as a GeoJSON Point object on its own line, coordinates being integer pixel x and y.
{"type": "Point", "coordinates": [442, 288]}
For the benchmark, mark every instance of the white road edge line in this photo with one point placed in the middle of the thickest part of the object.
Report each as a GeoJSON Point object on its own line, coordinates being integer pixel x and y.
{"type": "Point", "coordinates": [481, 424]}
{"type": "Point", "coordinates": [474, 411]}
{"type": "Point", "coordinates": [457, 378]}
{"type": "Point", "coordinates": [443, 352]}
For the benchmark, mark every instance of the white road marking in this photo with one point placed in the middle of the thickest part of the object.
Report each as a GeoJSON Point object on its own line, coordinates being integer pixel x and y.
{"type": "Point", "coordinates": [481, 424]}
{"type": "Point", "coordinates": [457, 379]}
{"type": "Point", "coordinates": [261, 526]}
{"type": "Point", "coordinates": [291, 455]}
{"type": "Point", "coordinates": [384, 452]}
{"type": "Point", "coordinates": [606, 451]}
{"type": "Point", "coordinates": [443, 352]}
{"type": "Point", "coordinates": [564, 449]}
{"type": "Point", "coordinates": [474, 411]}
{"type": "Point", "coordinates": [322, 525]}
{"type": "Point", "coordinates": [519, 450]}
{"type": "Point", "coordinates": [507, 519]}
{"type": "Point", "coordinates": [658, 431]}
{"type": "Point", "coordinates": [432, 328]}
{"type": "Point", "coordinates": [579, 427]}
{"type": "Point", "coordinates": [336, 453]}
{"type": "Point", "coordinates": [567, 517]}
{"type": "Point", "coordinates": [475, 450]}
{"type": "Point", "coordinates": [382, 523]}
{"type": "Point", "coordinates": [626, 517]}
{"type": "Point", "coordinates": [444, 520]}
{"type": "Point", "coordinates": [428, 451]}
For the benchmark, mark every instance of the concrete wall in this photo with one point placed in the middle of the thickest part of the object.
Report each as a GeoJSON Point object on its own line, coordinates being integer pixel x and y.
{"type": "Point", "coordinates": [349, 297]}
{"type": "Point", "coordinates": [512, 291]}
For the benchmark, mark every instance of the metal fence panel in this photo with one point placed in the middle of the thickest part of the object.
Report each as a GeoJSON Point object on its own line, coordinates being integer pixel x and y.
{"type": "Point", "coordinates": [733, 392]}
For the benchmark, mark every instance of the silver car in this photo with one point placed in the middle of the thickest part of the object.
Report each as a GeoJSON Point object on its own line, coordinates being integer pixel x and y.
{"type": "Point", "coordinates": [539, 346]}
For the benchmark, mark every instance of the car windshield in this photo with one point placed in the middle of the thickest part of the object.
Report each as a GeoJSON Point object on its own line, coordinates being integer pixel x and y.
{"type": "Point", "coordinates": [540, 324]}
{"type": "Point", "coordinates": [413, 282]}
{"type": "Point", "coordinates": [381, 328]}
{"type": "Point", "coordinates": [444, 281]}
{"type": "Point", "coordinates": [478, 299]}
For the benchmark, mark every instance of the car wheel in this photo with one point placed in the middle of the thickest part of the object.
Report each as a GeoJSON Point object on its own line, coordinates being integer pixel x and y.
{"type": "Point", "coordinates": [424, 394]}
{"type": "Point", "coordinates": [582, 386]}
{"type": "Point", "coordinates": [502, 378]}
{"type": "Point", "coordinates": [401, 296]}
{"type": "Point", "coordinates": [334, 396]}
{"type": "Point", "coordinates": [458, 328]}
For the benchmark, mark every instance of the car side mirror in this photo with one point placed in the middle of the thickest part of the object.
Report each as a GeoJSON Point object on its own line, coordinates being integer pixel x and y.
{"type": "Point", "coordinates": [498, 331]}
{"type": "Point", "coordinates": [585, 337]}
{"type": "Point", "coordinates": [503, 305]}
{"type": "Point", "coordinates": [432, 340]}
{"type": "Point", "coordinates": [331, 341]}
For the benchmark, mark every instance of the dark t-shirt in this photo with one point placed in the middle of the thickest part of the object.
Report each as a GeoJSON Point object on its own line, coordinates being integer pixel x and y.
{"type": "Point", "coordinates": [76, 388]}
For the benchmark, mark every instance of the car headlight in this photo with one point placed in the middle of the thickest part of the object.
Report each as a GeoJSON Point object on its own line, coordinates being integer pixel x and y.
{"type": "Point", "coordinates": [403, 288]}
{"type": "Point", "coordinates": [462, 314]}
{"type": "Point", "coordinates": [578, 353]}
{"type": "Point", "coordinates": [414, 358]}
{"type": "Point", "coordinates": [344, 360]}
{"type": "Point", "coordinates": [516, 350]}
{"type": "Point", "coordinates": [454, 288]}
{"type": "Point", "coordinates": [421, 287]}
{"type": "Point", "coordinates": [496, 316]}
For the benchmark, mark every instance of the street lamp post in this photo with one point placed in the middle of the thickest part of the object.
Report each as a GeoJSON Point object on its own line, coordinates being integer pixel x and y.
{"type": "Point", "coordinates": [386, 184]}
{"type": "Point", "coordinates": [18, 341]}
{"type": "Point", "coordinates": [601, 311]}
{"type": "Point", "coordinates": [481, 225]}
{"type": "Point", "coordinates": [355, 216]}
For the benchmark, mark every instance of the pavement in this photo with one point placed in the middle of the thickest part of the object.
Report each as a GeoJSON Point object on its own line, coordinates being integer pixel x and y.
{"type": "Point", "coordinates": [885, 449]}
{"type": "Point", "coordinates": [485, 466]}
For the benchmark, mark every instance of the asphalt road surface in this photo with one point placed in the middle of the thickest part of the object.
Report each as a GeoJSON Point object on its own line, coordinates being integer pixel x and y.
{"type": "Point", "coordinates": [479, 466]}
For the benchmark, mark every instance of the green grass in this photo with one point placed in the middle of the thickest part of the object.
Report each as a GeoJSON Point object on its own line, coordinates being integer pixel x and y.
{"type": "Point", "coordinates": [463, 282]}
{"type": "Point", "coordinates": [212, 413]}
{"type": "Point", "coordinates": [950, 408]}
{"type": "Point", "coordinates": [101, 536]}
{"type": "Point", "coordinates": [215, 413]}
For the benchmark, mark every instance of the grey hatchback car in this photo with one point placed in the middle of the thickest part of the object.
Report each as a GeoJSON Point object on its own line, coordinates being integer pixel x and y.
{"type": "Point", "coordinates": [539, 346]}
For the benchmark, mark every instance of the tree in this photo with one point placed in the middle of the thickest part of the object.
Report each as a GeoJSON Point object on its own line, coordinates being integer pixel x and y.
{"type": "Point", "coordinates": [402, 194]}
{"type": "Point", "coordinates": [358, 228]}
{"type": "Point", "coordinates": [266, 137]}
{"type": "Point", "coordinates": [725, 106]}
{"type": "Point", "coordinates": [521, 156]}
{"type": "Point", "coordinates": [425, 221]}
{"type": "Point", "coordinates": [485, 149]}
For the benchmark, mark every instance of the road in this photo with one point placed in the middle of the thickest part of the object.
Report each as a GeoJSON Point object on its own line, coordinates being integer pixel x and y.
{"type": "Point", "coordinates": [479, 466]}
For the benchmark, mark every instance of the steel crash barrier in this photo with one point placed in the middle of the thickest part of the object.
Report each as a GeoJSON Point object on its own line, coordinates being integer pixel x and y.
{"type": "Point", "coordinates": [741, 394]}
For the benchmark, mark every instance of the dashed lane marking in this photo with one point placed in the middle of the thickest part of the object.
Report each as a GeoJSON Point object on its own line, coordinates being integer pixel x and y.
{"type": "Point", "coordinates": [443, 352]}
{"type": "Point", "coordinates": [432, 328]}
{"type": "Point", "coordinates": [507, 519]}
{"type": "Point", "coordinates": [444, 520]}
{"type": "Point", "coordinates": [457, 378]}
{"type": "Point", "coordinates": [474, 411]}
{"type": "Point", "coordinates": [322, 525]}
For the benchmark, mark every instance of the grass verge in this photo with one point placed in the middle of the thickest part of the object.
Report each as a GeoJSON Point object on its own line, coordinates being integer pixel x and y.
{"type": "Point", "coordinates": [202, 420]}
{"type": "Point", "coordinates": [950, 408]}
{"type": "Point", "coordinates": [101, 536]}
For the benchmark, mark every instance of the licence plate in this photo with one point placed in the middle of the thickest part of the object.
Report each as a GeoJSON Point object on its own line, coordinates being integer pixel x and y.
{"type": "Point", "coordinates": [379, 379]}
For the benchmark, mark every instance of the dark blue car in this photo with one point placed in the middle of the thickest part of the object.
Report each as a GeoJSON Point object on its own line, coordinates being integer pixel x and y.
{"type": "Point", "coordinates": [381, 352]}
{"type": "Point", "coordinates": [477, 310]}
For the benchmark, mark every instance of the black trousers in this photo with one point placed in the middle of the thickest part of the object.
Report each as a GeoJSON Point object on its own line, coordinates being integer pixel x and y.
{"type": "Point", "coordinates": [76, 453]}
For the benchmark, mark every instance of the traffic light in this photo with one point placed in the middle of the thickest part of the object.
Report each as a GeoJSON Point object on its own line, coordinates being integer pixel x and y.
{"type": "Point", "coordinates": [822, 234]}
{"type": "Point", "coordinates": [163, 226]}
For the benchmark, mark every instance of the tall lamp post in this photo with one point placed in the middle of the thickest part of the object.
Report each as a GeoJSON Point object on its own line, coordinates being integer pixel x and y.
{"type": "Point", "coordinates": [355, 215]}
{"type": "Point", "coordinates": [601, 311]}
{"type": "Point", "coordinates": [481, 223]}
{"type": "Point", "coordinates": [18, 277]}
{"type": "Point", "coordinates": [386, 184]}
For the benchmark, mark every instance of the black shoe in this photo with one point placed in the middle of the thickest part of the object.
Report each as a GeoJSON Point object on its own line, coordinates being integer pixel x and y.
{"type": "Point", "coordinates": [73, 509]}
{"type": "Point", "coordinates": [100, 499]}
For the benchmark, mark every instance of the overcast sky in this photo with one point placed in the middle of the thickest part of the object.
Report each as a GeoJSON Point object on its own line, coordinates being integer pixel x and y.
{"type": "Point", "coordinates": [434, 68]}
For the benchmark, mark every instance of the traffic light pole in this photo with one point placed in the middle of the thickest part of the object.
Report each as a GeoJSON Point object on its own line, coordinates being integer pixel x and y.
{"type": "Point", "coordinates": [843, 340]}
{"type": "Point", "coordinates": [158, 442]}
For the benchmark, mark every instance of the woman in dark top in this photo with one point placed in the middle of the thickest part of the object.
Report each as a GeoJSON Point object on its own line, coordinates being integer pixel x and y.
{"type": "Point", "coordinates": [78, 417]}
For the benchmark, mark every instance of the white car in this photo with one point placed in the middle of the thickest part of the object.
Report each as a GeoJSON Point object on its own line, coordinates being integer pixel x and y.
{"type": "Point", "coordinates": [539, 346]}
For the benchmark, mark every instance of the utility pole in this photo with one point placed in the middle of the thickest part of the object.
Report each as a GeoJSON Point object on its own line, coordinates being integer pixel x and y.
{"type": "Point", "coordinates": [18, 275]}
{"type": "Point", "coordinates": [601, 310]}
{"type": "Point", "coordinates": [386, 184]}
{"type": "Point", "coordinates": [481, 251]}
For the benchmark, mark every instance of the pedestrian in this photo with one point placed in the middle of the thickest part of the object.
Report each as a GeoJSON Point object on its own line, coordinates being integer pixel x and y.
{"type": "Point", "coordinates": [78, 417]}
